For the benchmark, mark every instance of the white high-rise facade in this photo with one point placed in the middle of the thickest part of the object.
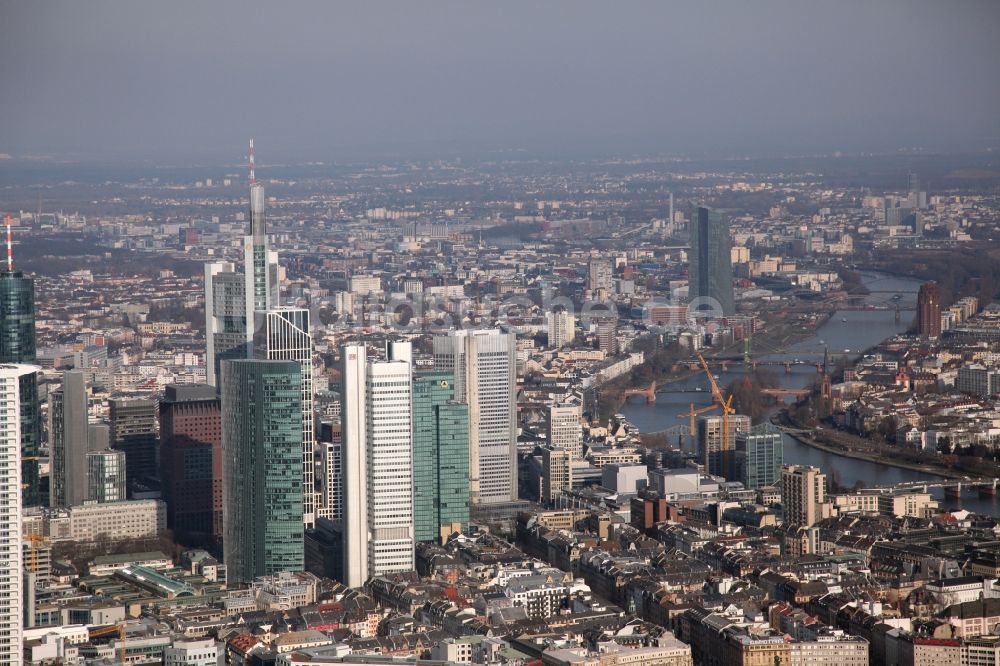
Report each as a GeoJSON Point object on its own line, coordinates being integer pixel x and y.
{"type": "Point", "coordinates": [561, 327]}
{"type": "Point", "coordinates": [331, 463]}
{"type": "Point", "coordinates": [564, 429]}
{"type": "Point", "coordinates": [483, 363]}
{"type": "Point", "coordinates": [282, 334]}
{"type": "Point", "coordinates": [376, 418]}
{"type": "Point", "coordinates": [11, 555]}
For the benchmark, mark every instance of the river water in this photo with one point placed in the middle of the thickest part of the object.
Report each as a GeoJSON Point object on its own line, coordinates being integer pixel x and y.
{"type": "Point", "coordinates": [861, 330]}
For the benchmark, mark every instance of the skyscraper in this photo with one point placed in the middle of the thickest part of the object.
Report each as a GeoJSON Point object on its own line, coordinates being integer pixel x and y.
{"type": "Point", "coordinates": [710, 270]}
{"type": "Point", "coordinates": [561, 328]}
{"type": "Point", "coordinates": [69, 441]}
{"type": "Point", "coordinates": [133, 431]}
{"type": "Point", "coordinates": [227, 334]}
{"type": "Point", "coordinates": [378, 462]}
{"type": "Point", "coordinates": [713, 453]}
{"type": "Point", "coordinates": [282, 334]}
{"type": "Point", "coordinates": [17, 345]}
{"type": "Point", "coordinates": [106, 476]}
{"type": "Point", "coordinates": [262, 468]}
{"type": "Point", "coordinates": [331, 462]}
{"type": "Point", "coordinates": [599, 274]}
{"type": "Point", "coordinates": [231, 298]}
{"type": "Point", "coordinates": [564, 429]}
{"type": "Point", "coordinates": [440, 457]}
{"type": "Point", "coordinates": [191, 461]}
{"type": "Point", "coordinates": [929, 310]}
{"type": "Point", "coordinates": [803, 494]}
{"type": "Point", "coordinates": [557, 473]}
{"type": "Point", "coordinates": [483, 363]}
{"type": "Point", "coordinates": [11, 552]}
{"type": "Point", "coordinates": [758, 457]}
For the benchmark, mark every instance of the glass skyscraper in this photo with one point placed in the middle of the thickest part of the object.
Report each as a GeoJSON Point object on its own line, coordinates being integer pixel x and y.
{"type": "Point", "coordinates": [17, 345]}
{"type": "Point", "coordinates": [710, 266]}
{"type": "Point", "coordinates": [262, 468]}
{"type": "Point", "coordinates": [440, 457]}
{"type": "Point", "coordinates": [759, 456]}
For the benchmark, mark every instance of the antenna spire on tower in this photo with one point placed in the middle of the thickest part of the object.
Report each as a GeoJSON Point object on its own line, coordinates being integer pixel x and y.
{"type": "Point", "coordinates": [253, 177]}
{"type": "Point", "coordinates": [10, 248]}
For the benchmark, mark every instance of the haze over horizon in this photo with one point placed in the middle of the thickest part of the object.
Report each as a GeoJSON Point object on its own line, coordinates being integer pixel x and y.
{"type": "Point", "coordinates": [111, 80]}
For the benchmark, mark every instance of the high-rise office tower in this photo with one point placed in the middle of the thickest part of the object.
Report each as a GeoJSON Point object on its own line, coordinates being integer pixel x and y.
{"type": "Point", "coordinates": [713, 453]}
{"type": "Point", "coordinates": [231, 298]}
{"type": "Point", "coordinates": [561, 327]}
{"type": "Point", "coordinates": [557, 473]}
{"type": "Point", "coordinates": [17, 345]}
{"type": "Point", "coordinates": [440, 457]}
{"type": "Point", "coordinates": [106, 476]}
{"type": "Point", "coordinates": [262, 468]}
{"type": "Point", "coordinates": [803, 494]}
{"type": "Point", "coordinates": [191, 461]}
{"type": "Point", "coordinates": [564, 429]}
{"type": "Point", "coordinates": [11, 552]}
{"type": "Point", "coordinates": [282, 334]}
{"type": "Point", "coordinates": [378, 462]}
{"type": "Point", "coordinates": [929, 310]}
{"type": "Point", "coordinates": [607, 335]}
{"type": "Point", "coordinates": [259, 265]}
{"type": "Point", "coordinates": [710, 269]}
{"type": "Point", "coordinates": [758, 457]}
{"type": "Point", "coordinates": [133, 431]}
{"type": "Point", "coordinates": [483, 363]}
{"type": "Point", "coordinates": [331, 463]}
{"type": "Point", "coordinates": [599, 274]}
{"type": "Point", "coordinates": [68, 441]}
{"type": "Point", "coordinates": [226, 329]}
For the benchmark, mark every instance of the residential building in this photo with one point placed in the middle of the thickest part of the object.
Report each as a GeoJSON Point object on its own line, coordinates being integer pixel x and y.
{"type": "Point", "coordinates": [929, 310]}
{"type": "Point", "coordinates": [262, 467]}
{"type": "Point", "coordinates": [803, 495]}
{"type": "Point", "coordinates": [557, 473]}
{"type": "Point", "coordinates": [561, 328]}
{"type": "Point", "coordinates": [564, 429]}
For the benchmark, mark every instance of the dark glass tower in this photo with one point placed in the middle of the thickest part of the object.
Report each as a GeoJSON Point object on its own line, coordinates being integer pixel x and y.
{"type": "Point", "coordinates": [711, 269]}
{"type": "Point", "coordinates": [262, 468]}
{"type": "Point", "coordinates": [17, 345]}
{"type": "Point", "coordinates": [440, 457]}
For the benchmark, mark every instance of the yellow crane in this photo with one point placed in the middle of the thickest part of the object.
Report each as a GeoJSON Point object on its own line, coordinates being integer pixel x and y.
{"type": "Point", "coordinates": [727, 408]}
{"type": "Point", "coordinates": [110, 630]}
{"type": "Point", "coordinates": [35, 539]}
{"type": "Point", "coordinates": [692, 413]}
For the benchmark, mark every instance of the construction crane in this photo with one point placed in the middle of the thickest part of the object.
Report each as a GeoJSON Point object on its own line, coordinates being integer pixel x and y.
{"type": "Point", "coordinates": [111, 630]}
{"type": "Point", "coordinates": [727, 408]}
{"type": "Point", "coordinates": [692, 413]}
{"type": "Point", "coordinates": [35, 539]}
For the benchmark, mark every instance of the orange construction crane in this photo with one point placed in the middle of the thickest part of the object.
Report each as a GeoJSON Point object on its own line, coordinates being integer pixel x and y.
{"type": "Point", "coordinates": [35, 539]}
{"type": "Point", "coordinates": [110, 630]}
{"type": "Point", "coordinates": [727, 408]}
{"type": "Point", "coordinates": [692, 413]}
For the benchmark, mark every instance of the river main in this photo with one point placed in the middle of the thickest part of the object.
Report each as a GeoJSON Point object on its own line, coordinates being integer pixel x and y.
{"type": "Point", "coordinates": [854, 331]}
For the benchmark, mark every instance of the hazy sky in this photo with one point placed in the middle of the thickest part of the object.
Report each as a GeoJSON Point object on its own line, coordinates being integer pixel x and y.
{"type": "Point", "coordinates": [192, 80]}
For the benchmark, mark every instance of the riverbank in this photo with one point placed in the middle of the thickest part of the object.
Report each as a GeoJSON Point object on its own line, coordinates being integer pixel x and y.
{"type": "Point", "coordinates": [782, 418]}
